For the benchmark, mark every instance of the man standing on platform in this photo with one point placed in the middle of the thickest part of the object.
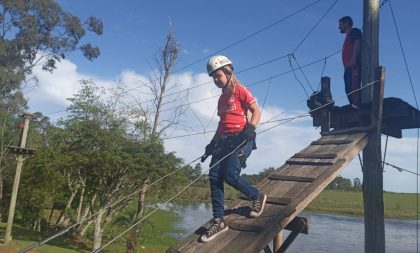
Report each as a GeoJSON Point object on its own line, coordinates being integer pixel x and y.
{"type": "Point", "coordinates": [351, 56]}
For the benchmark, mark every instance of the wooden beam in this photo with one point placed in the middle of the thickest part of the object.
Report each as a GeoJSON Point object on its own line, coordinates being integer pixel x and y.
{"type": "Point", "coordinates": [310, 163]}
{"type": "Point", "coordinates": [315, 155]}
{"type": "Point", "coordinates": [325, 112]}
{"type": "Point", "coordinates": [331, 142]}
{"type": "Point", "coordinates": [272, 200]}
{"type": "Point", "coordinates": [373, 175]}
{"type": "Point", "coordinates": [296, 223]}
{"type": "Point", "coordinates": [291, 178]}
{"type": "Point", "coordinates": [299, 226]}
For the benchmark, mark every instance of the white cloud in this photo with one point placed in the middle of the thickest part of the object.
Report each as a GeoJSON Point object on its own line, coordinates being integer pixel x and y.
{"type": "Point", "coordinates": [274, 146]}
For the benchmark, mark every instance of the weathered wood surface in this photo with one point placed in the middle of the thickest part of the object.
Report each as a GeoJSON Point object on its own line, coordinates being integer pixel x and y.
{"type": "Point", "coordinates": [250, 235]}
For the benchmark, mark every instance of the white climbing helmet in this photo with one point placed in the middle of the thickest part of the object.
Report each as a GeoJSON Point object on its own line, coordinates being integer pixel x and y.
{"type": "Point", "coordinates": [216, 62]}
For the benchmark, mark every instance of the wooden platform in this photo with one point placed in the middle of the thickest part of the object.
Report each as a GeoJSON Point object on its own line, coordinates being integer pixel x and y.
{"type": "Point", "coordinates": [290, 189]}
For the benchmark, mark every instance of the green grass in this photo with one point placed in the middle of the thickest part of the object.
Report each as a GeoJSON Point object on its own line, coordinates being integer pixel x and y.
{"type": "Point", "coordinates": [23, 237]}
{"type": "Point", "coordinates": [396, 205]}
{"type": "Point", "coordinates": [154, 237]}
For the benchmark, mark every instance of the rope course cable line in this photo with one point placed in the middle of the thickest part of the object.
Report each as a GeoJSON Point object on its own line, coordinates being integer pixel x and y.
{"type": "Point", "coordinates": [167, 201]}
{"type": "Point", "coordinates": [186, 187]}
{"type": "Point", "coordinates": [314, 27]}
{"type": "Point", "coordinates": [401, 169]}
{"type": "Point", "coordinates": [251, 35]}
{"type": "Point", "coordinates": [258, 82]}
{"type": "Point", "coordinates": [34, 245]}
{"type": "Point", "coordinates": [68, 229]}
{"type": "Point", "coordinates": [320, 107]}
{"type": "Point", "coordinates": [219, 51]}
{"type": "Point", "coordinates": [249, 85]}
{"type": "Point", "coordinates": [417, 105]}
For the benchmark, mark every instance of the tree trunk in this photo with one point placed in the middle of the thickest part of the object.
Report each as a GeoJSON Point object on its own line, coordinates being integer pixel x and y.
{"type": "Point", "coordinates": [81, 229]}
{"type": "Point", "coordinates": [134, 236]}
{"type": "Point", "coordinates": [1, 195]}
{"type": "Point", "coordinates": [63, 216]}
{"type": "Point", "coordinates": [79, 209]}
{"type": "Point", "coordinates": [98, 230]}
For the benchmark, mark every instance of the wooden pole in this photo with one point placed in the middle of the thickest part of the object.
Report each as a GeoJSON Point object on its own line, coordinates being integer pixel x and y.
{"type": "Point", "coordinates": [8, 233]}
{"type": "Point", "coordinates": [372, 164]}
{"type": "Point", "coordinates": [325, 112]}
{"type": "Point", "coordinates": [278, 241]}
{"type": "Point", "coordinates": [370, 46]}
{"type": "Point", "coordinates": [373, 175]}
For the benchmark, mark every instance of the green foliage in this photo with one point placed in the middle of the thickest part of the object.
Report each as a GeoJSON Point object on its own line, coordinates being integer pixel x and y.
{"type": "Point", "coordinates": [340, 183]}
{"type": "Point", "coordinates": [39, 32]}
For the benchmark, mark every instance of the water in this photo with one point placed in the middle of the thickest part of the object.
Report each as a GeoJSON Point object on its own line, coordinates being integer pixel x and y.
{"type": "Point", "coordinates": [327, 233]}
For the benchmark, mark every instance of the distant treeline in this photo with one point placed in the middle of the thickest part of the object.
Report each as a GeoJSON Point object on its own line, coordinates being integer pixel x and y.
{"type": "Point", "coordinates": [340, 183]}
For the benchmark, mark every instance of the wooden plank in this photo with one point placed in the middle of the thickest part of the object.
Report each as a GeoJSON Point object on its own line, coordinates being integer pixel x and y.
{"type": "Point", "coordinates": [331, 142]}
{"type": "Point", "coordinates": [296, 223]}
{"type": "Point", "coordinates": [172, 250]}
{"type": "Point", "coordinates": [276, 217]}
{"type": "Point", "coordinates": [352, 130]}
{"type": "Point", "coordinates": [273, 200]}
{"type": "Point", "coordinates": [291, 178]}
{"type": "Point", "coordinates": [329, 175]}
{"type": "Point", "coordinates": [245, 227]}
{"type": "Point", "coordinates": [309, 162]}
{"type": "Point", "coordinates": [315, 155]}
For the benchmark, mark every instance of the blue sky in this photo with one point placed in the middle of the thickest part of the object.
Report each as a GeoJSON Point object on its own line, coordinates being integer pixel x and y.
{"type": "Point", "coordinates": [134, 31]}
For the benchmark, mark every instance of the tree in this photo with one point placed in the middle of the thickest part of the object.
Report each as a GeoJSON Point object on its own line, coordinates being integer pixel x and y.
{"type": "Point", "coordinates": [11, 106]}
{"type": "Point", "coordinates": [158, 86]}
{"type": "Point", "coordinates": [357, 184]}
{"type": "Point", "coordinates": [33, 32]}
{"type": "Point", "coordinates": [195, 172]}
{"type": "Point", "coordinates": [39, 32]}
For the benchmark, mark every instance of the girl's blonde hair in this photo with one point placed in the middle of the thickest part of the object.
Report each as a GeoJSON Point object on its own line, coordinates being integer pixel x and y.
{"type": "Point", "coordinates": [233, 79]}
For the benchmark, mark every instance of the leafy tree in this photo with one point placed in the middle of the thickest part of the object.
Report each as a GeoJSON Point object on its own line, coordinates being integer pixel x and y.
{"type": "Point", "coordinates": [33, 32]}
{"type": "Point", "coordinates": [11, 107]}
{"type": "Point", "coordinates": [340, 183]}
{"type": "Point", "coordinates": [158, 85]}
{"type": "Point", "coordinates": [357, 184]}
{"type": "Point", "coordinates": [104, 157]}
{"type": "Point", "coordinates": [39, 32]}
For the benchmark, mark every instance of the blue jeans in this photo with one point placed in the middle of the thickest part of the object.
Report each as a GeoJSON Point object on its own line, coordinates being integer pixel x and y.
{"type": "Point", "coordinates": [228, 170]}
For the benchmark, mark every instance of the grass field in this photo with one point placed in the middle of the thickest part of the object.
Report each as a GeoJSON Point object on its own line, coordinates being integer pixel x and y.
{"type": "Point", "coordinates": [155, 238]}
{"type": "Point", "coordinates": [396, 205]}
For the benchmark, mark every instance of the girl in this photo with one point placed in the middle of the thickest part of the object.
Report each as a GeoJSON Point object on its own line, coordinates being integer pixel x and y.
{"type": "Point", "coordinates": [235, 133]}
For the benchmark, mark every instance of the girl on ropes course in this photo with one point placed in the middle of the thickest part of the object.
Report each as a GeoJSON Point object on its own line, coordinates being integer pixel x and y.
{"type": "Point", "coordinates": [234, 138]}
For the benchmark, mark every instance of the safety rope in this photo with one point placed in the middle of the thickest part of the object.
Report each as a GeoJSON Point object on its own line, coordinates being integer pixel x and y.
{"type": "Point", "coordinates": [167, 201]}
{"type": "Point", "coordinates": [64, 231]}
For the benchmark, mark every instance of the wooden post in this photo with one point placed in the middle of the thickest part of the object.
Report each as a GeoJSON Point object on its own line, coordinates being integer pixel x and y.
{"type": "Point", "coordinates": [370, 46]}
{"type": "Point", "coordinates": [278, 241]}
{"type": "Point", "coordinates": [8, 233]}
{"type": "Point", "coordinates": [373, 175]}
{"type": "Point", "coordinates": [372, 165]}
{"type": "Point", "coordinates": [325, 112]}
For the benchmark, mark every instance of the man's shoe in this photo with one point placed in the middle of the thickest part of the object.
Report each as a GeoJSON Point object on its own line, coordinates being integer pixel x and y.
{"type": "Point", "coordinates": [258, 205]}
{"type": "Point", "coordinates": [217, 227]}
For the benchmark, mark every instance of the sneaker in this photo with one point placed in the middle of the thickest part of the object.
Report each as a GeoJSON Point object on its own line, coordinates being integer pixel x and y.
{"type": "Point", "coordinates": [217, 227]}
{"type": "Point", "coordinates": [258, 206]}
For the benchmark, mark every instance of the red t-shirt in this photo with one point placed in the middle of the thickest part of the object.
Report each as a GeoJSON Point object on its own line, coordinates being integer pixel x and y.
{"type": "Point", "coordinates": [232, 109]}
{"type": "Point", "coordinates": [351, 37]}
